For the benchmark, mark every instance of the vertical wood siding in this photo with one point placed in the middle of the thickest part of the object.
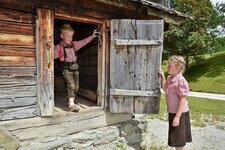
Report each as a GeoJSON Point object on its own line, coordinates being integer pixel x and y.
{"type": "Point", "coordinates": [18, 65]}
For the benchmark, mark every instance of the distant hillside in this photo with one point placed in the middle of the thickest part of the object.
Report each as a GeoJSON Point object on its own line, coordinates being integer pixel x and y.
{"type": "Point", "coordinates": [209, 76]}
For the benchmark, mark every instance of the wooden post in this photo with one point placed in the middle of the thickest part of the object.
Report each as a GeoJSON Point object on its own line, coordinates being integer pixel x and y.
{"type": "Point", "coordinates": [102, 79]}
{"type": "Point", "coordinates": [45, 74]}
{"type": "Point", "coordinates": [101, 68]}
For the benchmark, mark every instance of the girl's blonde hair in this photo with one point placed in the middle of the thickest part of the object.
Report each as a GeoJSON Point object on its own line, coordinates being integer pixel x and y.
{"type": "Point", "coordinates": [66, 27]}
{"type": "Point", "coordinates": [179, 61]}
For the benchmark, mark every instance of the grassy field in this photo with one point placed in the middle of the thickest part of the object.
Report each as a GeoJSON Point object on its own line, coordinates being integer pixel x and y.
{"type": "Point", "coordinates": [202, 111]}
{"type": "Point", "coordinates": [208, 76]}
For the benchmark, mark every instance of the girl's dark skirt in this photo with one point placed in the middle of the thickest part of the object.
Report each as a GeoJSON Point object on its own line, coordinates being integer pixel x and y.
{"type": "Point", "coordinates": [178, 136]}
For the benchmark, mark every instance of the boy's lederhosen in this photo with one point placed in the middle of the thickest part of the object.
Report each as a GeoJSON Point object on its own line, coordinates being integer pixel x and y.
{"type": "Point", "coordinates": [71, 75]}
{"type": "Point", "coordinates": [180, 135]}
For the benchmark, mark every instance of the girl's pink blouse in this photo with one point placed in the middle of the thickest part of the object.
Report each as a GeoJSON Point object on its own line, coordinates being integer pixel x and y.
{"type": "Point", "coordinates": [176, 87]}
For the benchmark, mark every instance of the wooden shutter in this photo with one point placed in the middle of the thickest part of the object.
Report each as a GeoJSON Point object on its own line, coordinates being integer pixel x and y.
{"type": "Point", "coordinates": [135, 56]}
{"type": "Point", "coordinates": [45, 75]}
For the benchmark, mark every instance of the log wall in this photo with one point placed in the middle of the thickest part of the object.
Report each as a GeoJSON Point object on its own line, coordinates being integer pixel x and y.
{"type": "Point", "coordinates": [18, 65]}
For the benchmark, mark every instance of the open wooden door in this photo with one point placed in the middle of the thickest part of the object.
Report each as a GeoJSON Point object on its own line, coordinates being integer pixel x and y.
{"type": "Point", "coordinates": [135, 57]}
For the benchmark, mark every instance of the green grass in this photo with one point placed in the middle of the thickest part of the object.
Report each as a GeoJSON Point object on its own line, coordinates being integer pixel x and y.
{"type": "Point", "coordinates": [202, 111]}
{"type": "Point", "coordinates": [209, 76]}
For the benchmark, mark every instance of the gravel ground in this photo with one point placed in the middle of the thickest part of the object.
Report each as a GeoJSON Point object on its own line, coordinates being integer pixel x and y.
{"type": "Point", "coordinates": [203, 138]}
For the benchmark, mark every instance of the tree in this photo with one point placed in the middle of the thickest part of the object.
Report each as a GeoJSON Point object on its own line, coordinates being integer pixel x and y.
{"type": "Point", "coordinates": [192, 39]}
{"type": "Point", "coordinates": [219, 31]}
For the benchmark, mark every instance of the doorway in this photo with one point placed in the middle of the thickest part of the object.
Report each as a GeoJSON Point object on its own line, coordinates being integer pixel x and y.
{"type": "Point", "coordinates": [88, 68]}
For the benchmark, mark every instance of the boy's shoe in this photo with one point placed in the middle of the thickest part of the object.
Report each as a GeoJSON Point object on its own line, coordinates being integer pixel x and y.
{"type": "Point", "coordinates": [74, 108]}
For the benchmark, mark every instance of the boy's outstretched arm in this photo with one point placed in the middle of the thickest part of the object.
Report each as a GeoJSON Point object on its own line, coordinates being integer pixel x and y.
{"type": "Point", "coordinates": [79, 44]}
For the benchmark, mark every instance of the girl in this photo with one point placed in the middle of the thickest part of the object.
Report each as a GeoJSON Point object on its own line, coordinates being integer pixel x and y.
{"type": "Point", "coordinates": [176, 89]}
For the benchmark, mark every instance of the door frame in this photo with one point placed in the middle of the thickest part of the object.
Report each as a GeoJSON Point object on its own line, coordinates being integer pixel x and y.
{"type": "Point", "coordinates": [101, 64]}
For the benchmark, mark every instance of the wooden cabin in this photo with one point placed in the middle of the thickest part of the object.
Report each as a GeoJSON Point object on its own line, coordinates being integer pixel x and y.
{"type": "Point", "coordinates": [118, 71]}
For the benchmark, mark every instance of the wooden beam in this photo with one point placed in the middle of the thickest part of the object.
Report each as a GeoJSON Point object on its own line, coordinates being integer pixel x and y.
{"type": "Point", "coordinates": [18, 91]}
{"type": "Point", "coordinates": [20, 71]}
{"type": "Point", "coordinates": [15, 16]}
{"type": "Point", "coordinates": [37, 128]}
{"type": "Point", "coordinates": [18, 102]}
{"type": "Point", "coordinates": [17, 28]}
{"type": "Point", "coordinates": [60, 14]}
{"type": "Point", "coordinates": [134, 92]}
{"type": "Point", "coordinates": [45, 73]}
{"type": "Point", "coordinates": [20, 112]}
{"type": "Point", "coordinates": [17, 61]}
{"type": "Point", "coordinates": [5, 51]}
{"type": "Point", "coordinates": [169, 18]}
{"type": "Point", "coordinates": [138, 42]}
{"type": "Point", "coordinates": [15, 39]}
{"type": "Point", "coordinates": [101, 68]}
{"type": "Point", "coordinates": [12, 81]}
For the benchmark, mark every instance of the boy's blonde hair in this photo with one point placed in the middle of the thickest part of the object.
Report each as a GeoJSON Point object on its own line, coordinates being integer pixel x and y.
{"type": "Point", "coordinates": [179, 61]}
{"type": "Point", "coordinates": [66, 27]}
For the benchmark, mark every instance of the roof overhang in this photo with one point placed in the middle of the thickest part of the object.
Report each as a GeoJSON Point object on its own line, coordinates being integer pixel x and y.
{"type": "Point", "coordinates": [154, 10]}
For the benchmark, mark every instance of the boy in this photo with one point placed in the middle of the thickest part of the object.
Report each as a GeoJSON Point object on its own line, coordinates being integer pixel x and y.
{"type": "Point", "coordinates": [66, 52]}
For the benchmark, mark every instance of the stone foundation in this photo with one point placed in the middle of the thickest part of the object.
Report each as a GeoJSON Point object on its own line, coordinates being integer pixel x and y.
{"type": "Point", "coordinates": [121, 136]}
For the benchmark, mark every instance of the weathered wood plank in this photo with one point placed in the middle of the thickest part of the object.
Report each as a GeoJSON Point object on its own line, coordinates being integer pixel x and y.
{"type": "Point", "coordinates": [146, 105]}
{"type": "Point", "coordinates": [141, 64]}
{"type": "Point", "coordinates": [35, 128]}
{"type": "Point", "coordinates": [122, 65]}
{"type": "Point", "coordinates": [152, 64]}
{"type": "Point", "coordinates": [17, 61]}
{"type": "Point", "coordinates": [121, 57]}
{"type": "Point", "coordinates": [17, 102]}
{"type": "Point", "coordinates": [7, 51]}
{"type": "Point", "coordinates": [27, 47]}
{"type": "Point", "coordinates": [17, 113]}
{"type": "Point", "coordinates": [18, 91]}
{"type": "Point", "coordinates": [7, 81]}
{"type": "Point", "coordinates": [147, 66]}
{"type": "Point", "coordinates": [62, 14]}
{"type": "Point", "coordinates": [138, 42]}
{"type": "Point", "coordinates": [21, 71]}
{"type": "Point", "coordinates": [16, 125]}
{"type": "Point", "coordinates": [123, 92]}
{"type": "Point", "coordinates": [141, 70]}
{"type": "Point", "coordinates": [100, 9]}
{"type": "Point", "coordinates": [154, 55]}
{"type": "Point", "coordinates": [16, 16]}
{"type": "Point", "coordinates": [45, 58]}
{"type": "Point", "coordinates": [17, 28]}
{"type": "Point", "coordinates": [14, 39]}
{"type": "Point", "coordinates": [121, 104]}
{"type": "Point", "coordinates": [106, 35]}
